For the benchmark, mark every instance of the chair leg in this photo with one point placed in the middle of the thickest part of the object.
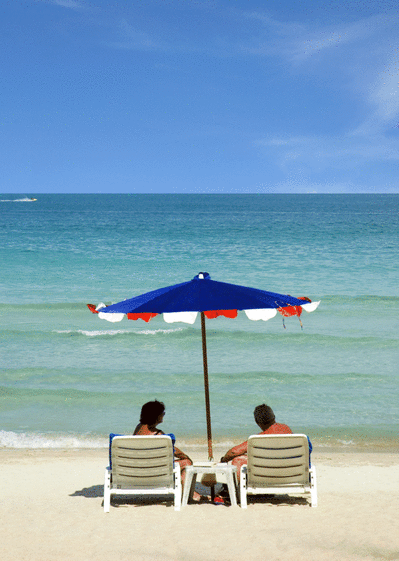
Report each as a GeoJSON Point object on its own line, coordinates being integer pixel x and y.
{"type": "Point", "coordinates": [187, 486]}
{"type": "Point", "coordinates": [231, 488]}
{"type": "Point", "coordinates": [313, 486]}
{"type": "Point", "coordinates": [243, 487]}
{"type": "Point", "coordinates": [177, 494]}
{"type": "Point", "coordinates": [107, 490]}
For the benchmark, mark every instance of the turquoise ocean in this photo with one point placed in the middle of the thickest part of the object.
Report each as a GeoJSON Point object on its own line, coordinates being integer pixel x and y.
{"type": "Point", "coordinates": [67, 378]}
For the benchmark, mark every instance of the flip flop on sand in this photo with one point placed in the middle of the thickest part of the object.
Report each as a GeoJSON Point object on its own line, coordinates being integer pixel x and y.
{"type": "Point", "coordinates": [218, 501]}
{"type": "Point", "coordinates": [201, 500]}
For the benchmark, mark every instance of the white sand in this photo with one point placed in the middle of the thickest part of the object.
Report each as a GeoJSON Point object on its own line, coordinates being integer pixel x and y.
{"type": "Point", "coordinates": [51, 509]}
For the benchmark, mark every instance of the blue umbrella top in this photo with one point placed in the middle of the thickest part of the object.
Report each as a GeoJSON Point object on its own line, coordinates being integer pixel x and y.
{"type": "Point", "coordinates": [202, 294]}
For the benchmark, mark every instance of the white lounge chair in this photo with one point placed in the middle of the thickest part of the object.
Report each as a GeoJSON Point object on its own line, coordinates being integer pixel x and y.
{"type": "Point", "coordinates": [142, 465]}
{"type": "Point", "coordinates": [278, 464]}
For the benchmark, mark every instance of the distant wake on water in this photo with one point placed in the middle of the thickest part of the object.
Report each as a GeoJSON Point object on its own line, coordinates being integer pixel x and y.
{"type": "Point", "coordinates": [24, 200]}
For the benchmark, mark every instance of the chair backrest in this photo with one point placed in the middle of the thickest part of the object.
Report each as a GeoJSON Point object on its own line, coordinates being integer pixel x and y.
{"type": "Point", "coordinates": [275, 460]}
{"type": "Point", "coordinates": [142, 462]}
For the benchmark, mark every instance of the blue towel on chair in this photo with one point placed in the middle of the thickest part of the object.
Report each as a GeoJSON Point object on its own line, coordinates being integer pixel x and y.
{"type": "Point", "coordinates": [112, 435]}
{"type": "Point", "coordinates": [310, 449]}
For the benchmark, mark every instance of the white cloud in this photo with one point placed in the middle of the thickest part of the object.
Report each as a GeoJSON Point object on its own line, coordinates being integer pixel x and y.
{"type": "Point", "coordinates": [73, 4]}
{"type": "Point", "coordinates": [359, 52]}
{"type": "Point", "coordinates": [337, 36]}
{"type": "Point", "coordinates": [318, 154]}
{"type": "Point", "coordinates": [383, 99]}
{"type": "Point", "coordinates": [135, 39]}
{"type": "Point", "coordinates": [297, 41]}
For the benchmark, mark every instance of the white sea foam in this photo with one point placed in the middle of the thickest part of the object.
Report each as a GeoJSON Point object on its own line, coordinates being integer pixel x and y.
{"type": "Point", "coordinates": [93, 333]}
{"type": "Point", "coordinates": [155, 331]}
{"type": "Point", "coordinates": [346, 442]}
{"type": "Point", "coordinates": [9, 439]}
{"type": "Point", "coordinates": [199, 444]}
{"type": "Point", "coordinates": [99, 333]}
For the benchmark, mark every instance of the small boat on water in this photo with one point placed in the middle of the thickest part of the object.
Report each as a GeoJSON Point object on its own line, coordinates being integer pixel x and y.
{"type": "Point", "coordinates": [24, 200]}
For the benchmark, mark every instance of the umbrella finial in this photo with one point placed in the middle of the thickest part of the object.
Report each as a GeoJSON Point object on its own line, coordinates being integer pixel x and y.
{"type": "Point", "coordinates": [202, 276]}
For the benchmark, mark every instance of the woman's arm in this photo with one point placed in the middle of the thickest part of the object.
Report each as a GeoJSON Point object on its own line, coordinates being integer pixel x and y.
{"type": "Point", "coordinates": [181, 455]}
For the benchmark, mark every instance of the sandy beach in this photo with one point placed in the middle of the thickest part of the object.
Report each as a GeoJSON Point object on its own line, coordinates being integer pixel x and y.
{"type": "Point", "coordinates": [52, 510]}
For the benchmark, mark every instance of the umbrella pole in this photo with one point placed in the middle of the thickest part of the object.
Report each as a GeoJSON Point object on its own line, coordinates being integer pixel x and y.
{"type": "Point", "coordinates": [206, 385]}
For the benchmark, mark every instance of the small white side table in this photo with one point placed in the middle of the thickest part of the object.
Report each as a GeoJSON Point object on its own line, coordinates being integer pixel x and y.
{"type": "Point", "coordinates": [227, 470]}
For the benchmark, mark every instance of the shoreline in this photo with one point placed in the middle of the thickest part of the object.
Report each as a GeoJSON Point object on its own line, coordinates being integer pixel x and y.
{"type": "Point", "coordinates": [336, 455]}
{"type": "Point", "coordinates": [194, 444]}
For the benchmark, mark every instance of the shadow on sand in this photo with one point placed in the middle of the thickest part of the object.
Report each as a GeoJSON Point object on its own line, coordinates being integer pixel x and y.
{"type": "Point", "coordinates": [96, 491]}
{"type": "Point", "coordinates": [89, 492]}
{"type": "Point", "coordinates": [277, 500]}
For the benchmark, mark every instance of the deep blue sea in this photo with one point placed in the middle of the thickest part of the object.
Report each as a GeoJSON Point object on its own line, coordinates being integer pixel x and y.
{"type": "Point", "coordinates": [67, 378]}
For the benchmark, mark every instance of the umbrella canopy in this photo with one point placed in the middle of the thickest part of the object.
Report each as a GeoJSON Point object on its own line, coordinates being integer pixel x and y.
{"type": "Point", "coordinates": [182, 302]}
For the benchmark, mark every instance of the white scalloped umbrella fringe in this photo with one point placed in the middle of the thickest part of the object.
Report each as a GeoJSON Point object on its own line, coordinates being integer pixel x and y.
{"type": "Point", "coordinates": [189, 317]}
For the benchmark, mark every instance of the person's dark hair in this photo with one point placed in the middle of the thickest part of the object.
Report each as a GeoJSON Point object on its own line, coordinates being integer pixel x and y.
{"type": "Point", "coordinates": [264, 415]}
{"type": "Point", "coordinates": [151, 411]}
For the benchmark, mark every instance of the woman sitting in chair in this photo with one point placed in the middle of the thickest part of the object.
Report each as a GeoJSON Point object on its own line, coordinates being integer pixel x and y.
{"type": "Point", "coordinates": [152, 414]}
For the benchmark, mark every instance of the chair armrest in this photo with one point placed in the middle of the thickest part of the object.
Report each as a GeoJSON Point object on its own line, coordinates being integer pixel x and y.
{"type": "Point", "coordinates": [243, 486]}
{"type": "Point", "coordinates": [177, 471]}
{"type": "Point", "coordinates": [312, 475]}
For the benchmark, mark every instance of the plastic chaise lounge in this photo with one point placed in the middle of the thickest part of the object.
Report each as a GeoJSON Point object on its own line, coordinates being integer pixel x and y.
{"type": "Point", "coordinates": [142, 465]}
{"type": "Point", "coordinates": [278, 464]}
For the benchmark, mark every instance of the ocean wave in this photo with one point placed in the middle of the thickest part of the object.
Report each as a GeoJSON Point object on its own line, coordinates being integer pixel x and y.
{"type": "Point", "coordinates": [362, 299]}
{"type": "Point", "coordinates": [303, 339]}
{"type": "Point", "coordinates": [332, 303]}
{"type": "Point", "coordinates": [155, 331]}
{"type": "Point", "coordinates": [112, 332]}
{"type": "Point", "coordinates": [48, 394]}
{"type": "Point", "coordinates": [193, 444]}
{"type": "Point", "coordinates": [9, 439]}
{"type": "Point", "coordinates": [319, 378]}
{"type": "Point", "coordinates": [324, 299]}
{"type": "Point", "coordinates": [91, 333]}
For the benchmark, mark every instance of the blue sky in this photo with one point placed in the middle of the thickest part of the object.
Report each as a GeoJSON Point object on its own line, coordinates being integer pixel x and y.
{"type": "Point", "coordinates": [198, 96]}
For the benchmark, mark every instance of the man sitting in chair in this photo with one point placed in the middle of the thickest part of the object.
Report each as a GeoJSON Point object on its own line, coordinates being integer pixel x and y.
{"type": "Point", "coordinates": [265, 419]}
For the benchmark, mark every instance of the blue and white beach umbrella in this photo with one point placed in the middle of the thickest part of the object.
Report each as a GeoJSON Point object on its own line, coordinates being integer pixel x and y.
{"type": "Point", "coordinates": [182, 303]}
